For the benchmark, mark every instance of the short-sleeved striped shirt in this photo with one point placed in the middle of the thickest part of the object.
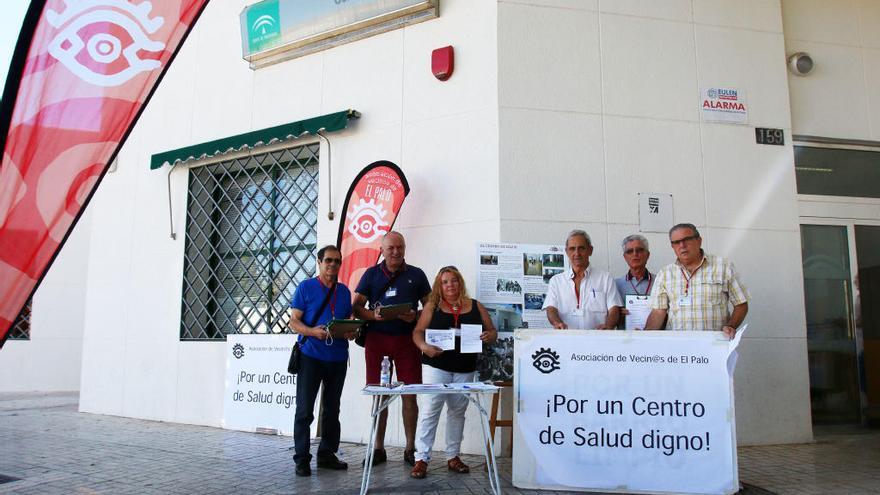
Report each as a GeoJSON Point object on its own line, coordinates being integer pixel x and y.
{"type": "Point", "coordinates": [698, 301]}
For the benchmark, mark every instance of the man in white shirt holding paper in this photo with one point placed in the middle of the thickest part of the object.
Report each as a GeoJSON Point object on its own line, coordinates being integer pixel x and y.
{"type": "Point", "coordinates": [582, 297]}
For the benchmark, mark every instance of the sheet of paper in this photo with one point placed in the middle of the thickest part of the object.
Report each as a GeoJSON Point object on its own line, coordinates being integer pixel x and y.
{"type": "Point", "coordinates": [470, 339]}
{"type": "Point", "coordinates": [424, 386]}
{"type": "Point", "coordinates": [472, 386]}
{"type": "Point", "coordinates": [639, 308]}
{"type": "Point", "coordinates": [444, 339]}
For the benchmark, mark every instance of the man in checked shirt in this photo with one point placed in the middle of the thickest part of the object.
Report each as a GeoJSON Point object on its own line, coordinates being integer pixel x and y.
{"type": "Point", "coordinates": [697, 290]}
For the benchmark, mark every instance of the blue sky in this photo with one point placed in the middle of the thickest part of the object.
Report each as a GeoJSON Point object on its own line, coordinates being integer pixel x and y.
{"type": "Point", "coordinates": [11, 14]}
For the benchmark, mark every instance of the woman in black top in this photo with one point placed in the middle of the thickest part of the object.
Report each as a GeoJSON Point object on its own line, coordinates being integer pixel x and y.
{"type": "Point", "coordinates": [448, 307]}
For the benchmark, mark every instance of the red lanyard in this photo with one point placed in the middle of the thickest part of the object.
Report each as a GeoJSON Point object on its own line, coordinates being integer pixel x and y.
{"type": "Point", "coordinates": [332, 301]}
{"type": "Point", "coordinates": [577, 288]}
{"type": "Point", "coordinates": [687, 280]}
{"type": "Point", "coordinates": [387, 273]}
{"type": "Point", "coordinates": [648, 291]}
{"type": "Point", "coordinates": [456, 312]}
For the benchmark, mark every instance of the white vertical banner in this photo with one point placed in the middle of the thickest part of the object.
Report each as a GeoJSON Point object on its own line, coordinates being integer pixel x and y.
{"type": "Point", "coordinates": [259, 395]}
{"type": "Point", "coordinates": [634, 412]}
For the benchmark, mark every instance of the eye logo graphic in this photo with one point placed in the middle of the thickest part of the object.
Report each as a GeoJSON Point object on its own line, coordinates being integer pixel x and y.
{"type": "Point", "coordinates": [100, 58]}
{"type": "Point", "coordinates": [238, 351]}
{"type": "Point", "coordinates": [545, 360]}
{"type": "Point", "coordinates": [367, 221]}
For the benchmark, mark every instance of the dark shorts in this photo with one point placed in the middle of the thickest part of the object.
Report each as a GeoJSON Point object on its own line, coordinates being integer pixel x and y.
{"type": "Point", "coordinates": [406, 358]}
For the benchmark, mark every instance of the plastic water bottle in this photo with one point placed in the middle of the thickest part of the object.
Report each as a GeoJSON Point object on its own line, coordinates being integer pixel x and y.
{"type": "Point", "coordinates": [385, 374]}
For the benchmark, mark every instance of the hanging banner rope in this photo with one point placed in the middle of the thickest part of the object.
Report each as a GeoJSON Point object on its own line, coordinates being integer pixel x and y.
{"type": "Point", "coordinates": [80, 78]}
{"type": "Point", "coordinates": [370, 209]}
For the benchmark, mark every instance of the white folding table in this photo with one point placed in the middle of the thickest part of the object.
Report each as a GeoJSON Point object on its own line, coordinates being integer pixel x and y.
{"type": "Point", "coordinates": [384, 396]}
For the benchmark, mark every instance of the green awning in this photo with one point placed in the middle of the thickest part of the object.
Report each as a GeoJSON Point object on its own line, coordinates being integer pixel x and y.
{"type": "Point", "coordinates": [263, 137]}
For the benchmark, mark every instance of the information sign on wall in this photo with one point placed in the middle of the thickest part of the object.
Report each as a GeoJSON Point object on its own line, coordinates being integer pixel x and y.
{"type": "Point", "coordinates": [724, 105]}
{"type": "Point", "coordinates": [276, 30]}
{"type": "Point", "coordinates": [655, 212]}
{"type": "Point", "coordinates": [620, 411]}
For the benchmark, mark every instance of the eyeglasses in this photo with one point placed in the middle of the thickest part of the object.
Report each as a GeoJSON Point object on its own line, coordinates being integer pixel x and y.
{"type": "Point", "coordinates": [635, 250]}
{"type": "Point", "coordinates": [331, 261]}
{"type": "Point", "coordinates": [681, 241]}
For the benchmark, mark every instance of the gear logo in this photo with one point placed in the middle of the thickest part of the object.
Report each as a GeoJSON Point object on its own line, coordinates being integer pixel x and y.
{"type": "Point", "coordinates": [100, 39]}
{"type": "Point", "coordinates": [238, 351]}
{"type": "Point", "coordinates": [367, 222]}
{"type": "Point", "coordinates": [545, 360]}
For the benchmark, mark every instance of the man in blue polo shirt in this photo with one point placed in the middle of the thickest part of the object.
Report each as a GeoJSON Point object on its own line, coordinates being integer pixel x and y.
{"type": "Point", "coordinates": [323, 360]}
{"type": "Point", "coordinates": [638, 280]}
{"type": "Point", "coordinates": [393, 282]}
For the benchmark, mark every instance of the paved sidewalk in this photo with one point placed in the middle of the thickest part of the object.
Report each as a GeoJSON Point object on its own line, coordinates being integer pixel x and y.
{"type": "Point", "coordinates": [53, 449]}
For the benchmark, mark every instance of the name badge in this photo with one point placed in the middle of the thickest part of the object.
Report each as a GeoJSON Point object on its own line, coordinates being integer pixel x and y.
{"type": "Point", "coordinates": [390, 292]}
{"type": "Point", "coordinates": [576, 312]}
{"type": "Point", "coordinates": [685, 300]}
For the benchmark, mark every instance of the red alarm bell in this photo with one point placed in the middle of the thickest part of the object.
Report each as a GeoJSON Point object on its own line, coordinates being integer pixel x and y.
{"type": "Point", "coordinates": [443, 62]}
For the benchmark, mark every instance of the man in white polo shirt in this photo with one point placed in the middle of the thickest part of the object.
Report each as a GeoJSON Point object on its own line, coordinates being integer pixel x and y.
{"type": "Point", "coordinates": [582, 297]}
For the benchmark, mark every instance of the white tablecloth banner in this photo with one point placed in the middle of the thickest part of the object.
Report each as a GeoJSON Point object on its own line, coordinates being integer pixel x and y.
{"type": "Point", "coordinates": [259, 394]}
{"type": "Point", "coordinates": [634, 411]}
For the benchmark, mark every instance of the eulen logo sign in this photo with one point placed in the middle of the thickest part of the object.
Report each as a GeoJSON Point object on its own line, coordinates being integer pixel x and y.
{"type": "Point", "coordinates": [724, 105]}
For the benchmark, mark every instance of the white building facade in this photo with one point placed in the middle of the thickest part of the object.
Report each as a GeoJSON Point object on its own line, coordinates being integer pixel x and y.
{"type": "Point", "coordinates": [558, 114]}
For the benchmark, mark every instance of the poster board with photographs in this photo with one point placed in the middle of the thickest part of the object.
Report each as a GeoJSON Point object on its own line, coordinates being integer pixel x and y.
{"type": "Point", "coordinates": [512, 282]}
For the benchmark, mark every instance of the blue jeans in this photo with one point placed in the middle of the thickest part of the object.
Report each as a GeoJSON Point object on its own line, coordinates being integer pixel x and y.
{"type": "Point", "coordinates": [312, 372]}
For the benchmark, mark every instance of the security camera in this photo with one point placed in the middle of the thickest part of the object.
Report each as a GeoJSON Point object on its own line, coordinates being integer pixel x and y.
{"type": "Point", "coordinates": [800, 63]}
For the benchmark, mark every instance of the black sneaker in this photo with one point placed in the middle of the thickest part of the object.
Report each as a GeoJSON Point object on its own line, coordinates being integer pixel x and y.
{"type": "Point", "coordinates": [379, 456]}
{"type": "Point", "coordinates": [409, 457]}
{"type": "Point", "coordinates": [303, 469]}
{"type": "Point", "coordinates": [330, 461]}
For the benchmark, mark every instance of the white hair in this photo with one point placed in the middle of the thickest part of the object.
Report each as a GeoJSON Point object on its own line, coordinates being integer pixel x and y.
{"type": "Point", "coordinates": [635, 237]}
{"type": "Point", "coordinates": [578, 233]}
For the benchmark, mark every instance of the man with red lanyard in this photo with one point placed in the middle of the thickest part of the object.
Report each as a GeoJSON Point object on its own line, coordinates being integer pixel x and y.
{"type": "Point", "coordinates": [323, 360]}
{"type": "Point", "coordinates": [696, 291]}
{"type": "Point", "coordinates": [392, 282]}
{"type": "Point", "coordinates": [582, 297]}
{"type": "Point", "coordinates": [638, 280]}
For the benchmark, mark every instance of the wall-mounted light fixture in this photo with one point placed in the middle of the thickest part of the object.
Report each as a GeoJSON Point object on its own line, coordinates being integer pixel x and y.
{"type": "Point", "coordinates": [800, 63]}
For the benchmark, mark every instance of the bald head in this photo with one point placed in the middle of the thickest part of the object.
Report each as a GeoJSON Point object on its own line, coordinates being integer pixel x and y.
{"type": "Point", "coordinates": [393, 249]}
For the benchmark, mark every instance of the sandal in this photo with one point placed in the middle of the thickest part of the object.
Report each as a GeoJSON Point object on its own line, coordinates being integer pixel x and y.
{"type": "Point", "coordinates": [420, 470]}
{"type": "Point", "coordinates": [457, 466]}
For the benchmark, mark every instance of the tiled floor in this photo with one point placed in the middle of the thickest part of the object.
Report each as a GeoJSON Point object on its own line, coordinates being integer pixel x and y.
{"type": "Point", "coordinates": [53, 449]}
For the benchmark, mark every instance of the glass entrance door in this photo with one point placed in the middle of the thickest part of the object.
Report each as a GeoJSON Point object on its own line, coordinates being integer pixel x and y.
{"type": "Point", "coordinates": [843, 321]}
{"type": "Point", "coordinates": [838, 185]}
{"type": "Point", "coordinates": [831, 336]}
{"type": "Point", "coordinates": [867, 313]}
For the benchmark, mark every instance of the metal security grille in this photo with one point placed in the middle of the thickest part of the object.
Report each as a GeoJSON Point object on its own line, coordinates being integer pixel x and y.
{"type": "Point", "coordinates": [21, 327]}
{"type": "Point", "coordinates": [250, 240]}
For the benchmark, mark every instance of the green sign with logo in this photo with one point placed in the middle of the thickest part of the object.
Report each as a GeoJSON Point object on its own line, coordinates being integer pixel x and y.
{"type": "Point", "coordinates": [277, 30]}
{"type": "Point", "coordinates": [263, 25]}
